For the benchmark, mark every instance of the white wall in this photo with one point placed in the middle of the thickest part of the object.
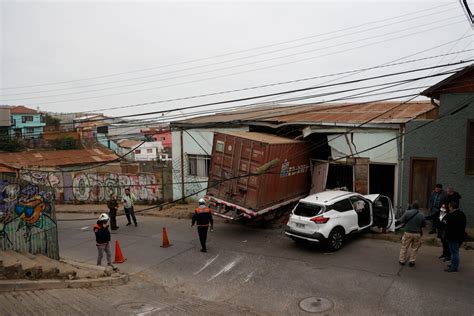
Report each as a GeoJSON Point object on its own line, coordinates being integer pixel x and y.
{"type": "Point", "coordinates": [360, 141]}
{"type": "Point", "coordinates": [144, 155]}
{"type": "Point", "coordinates": [200, 145]}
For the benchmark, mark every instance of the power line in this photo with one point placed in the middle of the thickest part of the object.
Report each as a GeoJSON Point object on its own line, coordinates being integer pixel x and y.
{"type": "Point", "coordinates": [234, 59]}
{"type": "Point", "coordinates": [286, 92]}
{"type": "Point", "coordinates": [241, 72]}
{"type": "Point", "coordinates": [230, 53]}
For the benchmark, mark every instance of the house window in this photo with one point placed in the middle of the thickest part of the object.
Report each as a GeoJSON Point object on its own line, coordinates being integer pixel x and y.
{"type": "Point", "coordinates": [149, 151]}
{"type": "Point", "coordinates": [198, 165]}
{"type": "Point", "coordinates": [30, 130]}
{"type": "Point", "coordinates": [25, 119]}
{"type": "Point", "coordinates": [13, 122]}
{"type": "Point", "coordinates": [138, 151]}
{"type": "Point", "coordinates": [470, 148]}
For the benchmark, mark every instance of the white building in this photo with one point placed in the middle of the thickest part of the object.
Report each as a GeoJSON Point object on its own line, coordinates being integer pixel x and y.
{"type": "Point", "coordinates": [139, 151]}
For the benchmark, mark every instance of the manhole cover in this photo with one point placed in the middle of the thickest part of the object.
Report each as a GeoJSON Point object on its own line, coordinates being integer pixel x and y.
{"type": "Point", "coordinates": [138, 308]}
{"type": "Point", "coordinates": [316, 304]}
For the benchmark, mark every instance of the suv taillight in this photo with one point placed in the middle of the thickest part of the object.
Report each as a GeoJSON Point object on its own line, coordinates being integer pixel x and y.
{"type": "Point", "coordinates": [320, 219]}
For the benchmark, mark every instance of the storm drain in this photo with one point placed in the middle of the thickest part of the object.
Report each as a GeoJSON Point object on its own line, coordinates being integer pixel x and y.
{"type": "Point", "coordinates": [316, 305]}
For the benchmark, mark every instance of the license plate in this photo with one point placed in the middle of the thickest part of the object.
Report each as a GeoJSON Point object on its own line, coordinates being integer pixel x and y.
{"type": "Point", "coordinates": [298, 225]}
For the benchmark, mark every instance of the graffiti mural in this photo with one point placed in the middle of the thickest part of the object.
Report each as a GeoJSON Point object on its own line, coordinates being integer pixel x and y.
{"type": "Point", "coordinates": [48, 179]}
{"type": "Point", "coordinates": [97, 187]}
{"type": "Point", "coordinates": [27, 220]}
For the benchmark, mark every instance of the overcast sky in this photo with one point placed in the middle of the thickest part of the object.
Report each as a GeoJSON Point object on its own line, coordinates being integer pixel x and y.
{"type": "Point", "coordinates": [45, 44]}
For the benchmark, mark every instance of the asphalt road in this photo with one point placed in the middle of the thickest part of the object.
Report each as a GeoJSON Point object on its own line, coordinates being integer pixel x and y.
{"type": "Point", "coordinates": [260, 270]}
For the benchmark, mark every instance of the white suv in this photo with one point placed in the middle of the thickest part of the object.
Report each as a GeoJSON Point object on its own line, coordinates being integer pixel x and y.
{"type": "Point", "coordinates": [330, 216]}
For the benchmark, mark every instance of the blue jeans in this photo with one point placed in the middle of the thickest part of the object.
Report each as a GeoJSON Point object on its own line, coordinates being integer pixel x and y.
{"type": "Point", "coordinates": [454, 250]}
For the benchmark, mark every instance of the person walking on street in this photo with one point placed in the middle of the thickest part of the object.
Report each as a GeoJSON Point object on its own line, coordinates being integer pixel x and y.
{"type": "Point", "coordinates": [102, 239]}
{"type": "Point", "coordinates": [455, 234]}
{"type": "Point", "coordinates": [437, 198]}
{"type": "Point", "coordinates": [203, 218]}
{"type": "Point", "coordinates": [452, 196]}
{"type": "Point", "coordinates": [128, 203]}
{"type": "Point", "coordinates": [112, 204]}
{"type": "Point", "coordinates": [414, 222]}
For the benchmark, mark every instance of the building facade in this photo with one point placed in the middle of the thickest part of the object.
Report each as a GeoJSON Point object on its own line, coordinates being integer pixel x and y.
{"type": "Point", "coordinates": [26, 122]}
{"type": "Point", "coordinates": [442, 150]}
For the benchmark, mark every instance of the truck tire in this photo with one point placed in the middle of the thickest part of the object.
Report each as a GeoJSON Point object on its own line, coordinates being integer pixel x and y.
{"type": "Point", "coordinates": [336, 239]}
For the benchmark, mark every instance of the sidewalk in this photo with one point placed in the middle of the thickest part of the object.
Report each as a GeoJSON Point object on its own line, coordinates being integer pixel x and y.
{"type": "Point", "coordinates": [175, 211]}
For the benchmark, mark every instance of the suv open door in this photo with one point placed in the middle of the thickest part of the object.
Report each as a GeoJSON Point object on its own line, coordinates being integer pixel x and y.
{"type": "Point", "coordinates": [382, 212]}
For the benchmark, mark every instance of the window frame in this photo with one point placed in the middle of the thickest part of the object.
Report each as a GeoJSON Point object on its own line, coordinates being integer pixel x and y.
{"type": "Point", "coordinates": [30, 130]}
{"type": "Point", "coordinates": [26, 118]}
{"type": "Point", "coordinates": [196, 158]}
{"type": "Point", "coordinates": [469, 147]}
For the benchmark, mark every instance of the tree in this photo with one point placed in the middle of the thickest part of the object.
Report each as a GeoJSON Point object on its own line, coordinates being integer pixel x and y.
{"type": "Point", "coordinates": [66, 143]}
{"type": "Point", "coordinates": [50, 120]}
{"type": "Point", "coordinates": [10, 144]}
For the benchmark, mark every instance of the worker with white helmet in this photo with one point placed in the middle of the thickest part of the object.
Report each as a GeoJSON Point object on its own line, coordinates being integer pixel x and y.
{"type": "Point", "coordinates": [102, 238]}
{"type": "Point", "coordinates": [203, 218]}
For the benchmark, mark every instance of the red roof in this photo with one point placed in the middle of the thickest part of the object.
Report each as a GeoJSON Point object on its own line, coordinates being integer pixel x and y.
{"type": "Point", "coordinates": [20, 109]}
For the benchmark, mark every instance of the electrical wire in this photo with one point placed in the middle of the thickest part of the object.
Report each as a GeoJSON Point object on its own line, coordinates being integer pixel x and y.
{"type": "Point", "coordinates": [228, 54]}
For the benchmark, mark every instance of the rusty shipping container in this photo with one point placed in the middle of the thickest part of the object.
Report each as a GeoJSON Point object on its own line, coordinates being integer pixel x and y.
{"type": "Point", "coordinates": [236, 155]}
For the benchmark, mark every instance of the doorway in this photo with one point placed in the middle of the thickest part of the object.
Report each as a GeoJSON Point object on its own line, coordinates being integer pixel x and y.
{"type": "Point", "coordinates": [340, 176]}
{"type": "Point", "coordinates": [382, 179]}
{"type": "Point", "coordinates": [422, 180]}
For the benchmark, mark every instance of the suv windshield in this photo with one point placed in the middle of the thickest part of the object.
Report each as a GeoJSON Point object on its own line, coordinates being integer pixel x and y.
{"type": "Point", "coordinates": [308, 210]}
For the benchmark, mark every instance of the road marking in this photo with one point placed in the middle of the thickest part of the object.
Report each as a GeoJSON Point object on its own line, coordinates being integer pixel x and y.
{"type": "Point", "coordinates": [249, 276]}
{"type": "Point", "coordinates": [208, 263]}
{"type": "Point", "coordinates": [225, 269]}
{"type": "Point", "coordinates": [85, 228]}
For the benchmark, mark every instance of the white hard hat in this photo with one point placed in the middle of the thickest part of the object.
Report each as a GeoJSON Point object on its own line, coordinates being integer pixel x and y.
{"type": "Point", "coordinates": [202, 201]}
{"type": "Point", "coordinates": [103, 217]}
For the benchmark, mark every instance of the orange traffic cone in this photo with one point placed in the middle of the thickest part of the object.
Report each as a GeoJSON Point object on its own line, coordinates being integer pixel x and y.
{"type": "Point", "coordinates": [166, 242]}
{"type": "Point", "coordinates": [118, 254]}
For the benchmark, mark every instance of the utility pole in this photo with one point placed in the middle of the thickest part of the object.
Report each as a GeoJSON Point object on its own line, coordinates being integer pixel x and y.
{"type": "Point", "coordinates": [182, 165]}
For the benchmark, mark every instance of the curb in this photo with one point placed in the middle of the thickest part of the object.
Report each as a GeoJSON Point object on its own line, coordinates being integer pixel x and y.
{"type": "Point", "coordinates": [25, 285]}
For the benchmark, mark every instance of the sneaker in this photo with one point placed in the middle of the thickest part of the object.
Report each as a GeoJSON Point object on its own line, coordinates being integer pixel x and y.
{"type": "Point", "coordinates": [129, 224]}
{"type": "Point", "coordinates": [401, 263]}
{"type": "Point", "coordinates": [446, 259]}
{"type": "Point", "coordinates": [136, 224]}
{"type": "Point", "coordinates": [450, 270]}
{"type": "Point", "coordinates": [411, 264]}
{"type": "Point", "coordinates": [442, 257]}
{"type": "Point", "coordinates": [203, 250]}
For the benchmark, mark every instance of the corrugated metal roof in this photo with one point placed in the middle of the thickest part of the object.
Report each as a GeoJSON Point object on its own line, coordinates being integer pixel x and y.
{"type": "Point", "coordinates": [262, 137]}
{"type": "Point", "coordinates": [377, 113]}
{"type": "Point", "coordinates": [6, 169]}
{"type": "Point", "coordinates": [348, 113]}
{"type": "Point", "coordinates": [20, 109]}
{"type": "Point", "coordinates": [58, 158]}
{"type": "Point", "coordinates": [455, 80]}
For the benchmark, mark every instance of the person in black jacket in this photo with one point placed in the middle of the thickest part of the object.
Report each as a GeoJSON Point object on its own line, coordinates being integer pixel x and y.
{"type": "Point", "coordinates": [452, 196]}
{"type": "Point", "coordinates": [203, 218]}
{"type": "Point", "coordinates": [102, 239]}
{"type": "Point", "coordinates": [455, 234]}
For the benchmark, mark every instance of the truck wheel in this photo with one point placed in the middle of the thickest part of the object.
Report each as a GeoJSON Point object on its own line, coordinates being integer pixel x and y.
{"type": "Point", "coordinates": [335, 239]}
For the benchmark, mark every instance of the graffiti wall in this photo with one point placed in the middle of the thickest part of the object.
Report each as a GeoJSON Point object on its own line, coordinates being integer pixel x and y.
{"type": "Point", "coordinates": [27, 219]}
{"type": "Point", "coordinates": [93, 187]}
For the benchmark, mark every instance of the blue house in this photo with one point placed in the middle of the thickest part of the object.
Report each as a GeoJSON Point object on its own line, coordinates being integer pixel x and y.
{"type": "Point", "coordinates": [26, 122]}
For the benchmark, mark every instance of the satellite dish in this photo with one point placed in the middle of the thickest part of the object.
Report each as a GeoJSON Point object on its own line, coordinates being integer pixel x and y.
{"type": "Point", "coordinates": [468, 7]}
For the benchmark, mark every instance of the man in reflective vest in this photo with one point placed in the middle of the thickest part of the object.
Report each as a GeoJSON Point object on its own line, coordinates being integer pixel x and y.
{"type": "Point", "coordinates": [203, 218]}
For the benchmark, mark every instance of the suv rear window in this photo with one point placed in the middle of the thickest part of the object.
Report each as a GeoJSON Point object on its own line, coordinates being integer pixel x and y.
{"type": "Point", "coordinates": [308, 210]}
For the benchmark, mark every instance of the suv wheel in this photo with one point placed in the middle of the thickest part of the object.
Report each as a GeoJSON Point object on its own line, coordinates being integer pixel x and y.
{"type": "Point", "coordinates": [336, 239]}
